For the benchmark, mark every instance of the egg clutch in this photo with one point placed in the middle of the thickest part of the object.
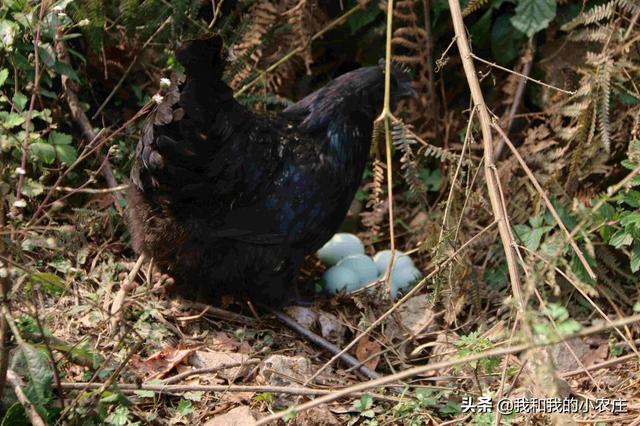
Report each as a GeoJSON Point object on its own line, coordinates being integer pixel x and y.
{"type": "Point", "coordinates": [351, 269]}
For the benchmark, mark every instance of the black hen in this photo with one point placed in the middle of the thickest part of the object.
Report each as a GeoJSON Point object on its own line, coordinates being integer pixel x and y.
{"type": "Point", "coordinates": [228, 201]}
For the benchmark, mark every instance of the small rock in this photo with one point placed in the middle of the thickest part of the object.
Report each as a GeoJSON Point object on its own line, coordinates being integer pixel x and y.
{"type": "Point", "coordinates": [317, 416]}
{"type": "Point", "coordinates": [306, 317]}
{"type": "Point", "coordinates": [211, 359]}
{"type": "Point", "coordinates": [563, 359]}
{"type": "Point", "coordinates": [280, 370]}
{"type": "Point", "coordinates": [330, 328]}
{"type": "Point", "coordinates": [239, 416]}
{"type": "Point", "coordinates": [414, 316]}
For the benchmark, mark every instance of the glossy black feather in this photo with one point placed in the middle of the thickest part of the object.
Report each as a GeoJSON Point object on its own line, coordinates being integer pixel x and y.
{"type": "Point", "coordinates": [230, 201]}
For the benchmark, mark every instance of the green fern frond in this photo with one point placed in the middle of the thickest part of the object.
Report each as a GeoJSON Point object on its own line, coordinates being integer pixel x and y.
{"type": "Point", "coordinates": [129, 9]}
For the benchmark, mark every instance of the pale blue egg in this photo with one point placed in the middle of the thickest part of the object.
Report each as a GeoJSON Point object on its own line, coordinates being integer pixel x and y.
{"type": "Point", "coordinates": [338, 278]}
{"type": "Point", "coordinates": [400, 260]}
{"type": "Point", "coordinates": [362, 265]}
{"type": "Point", "coordinates": [402, 278]}
{"type": "Point", "coordinates": [340, 246]}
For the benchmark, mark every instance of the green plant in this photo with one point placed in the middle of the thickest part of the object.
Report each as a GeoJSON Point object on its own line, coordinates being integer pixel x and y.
{"type": "Point", "coordinates": [473, 344]}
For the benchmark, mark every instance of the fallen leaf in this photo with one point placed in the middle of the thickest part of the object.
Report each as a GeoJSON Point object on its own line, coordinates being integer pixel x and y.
{"type": "Point", "coordinates": [158, 364]}
{"type": "Point", "coordinates": [366, 348]}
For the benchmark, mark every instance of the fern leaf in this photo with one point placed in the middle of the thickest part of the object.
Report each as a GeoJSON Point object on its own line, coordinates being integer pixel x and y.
{"type": "Point", "coordinates": [604, 106]}
{"type": "Point", "coordinates": [596, 14]}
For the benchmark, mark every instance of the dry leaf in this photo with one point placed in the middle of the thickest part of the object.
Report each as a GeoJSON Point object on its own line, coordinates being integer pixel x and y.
{"type": "Point", "coordinates": [366, 348]}
{"type": "Point", "coordinates": [158, 364]}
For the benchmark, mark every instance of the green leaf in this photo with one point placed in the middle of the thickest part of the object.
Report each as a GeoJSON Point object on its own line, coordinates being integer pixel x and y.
{"type": "Point", "coordinates": [290, 414]}
{"type": "Point", "coordinates": [606, 212]}
{"type": "Point", "coordinates": [4, 74]}
{"type": "Point", "coordinates": [364, 403]}
{"type": "Point", "coordinates": [361, 19]}
{"type": "Point", "coordinates": [531, 237]}
{"type": "Point", "coordinates": [65, 69]}
{"type": "Point", "coordinates": [32, 188]}
{"type": "Point", "coordinates": [43, 152]}
{"type": "Point", "coordinates": [505, 40]}
{"type": "Point", "coordinates": [47, 55]}
{"type": "Point", "coordinates": [556, 311]}
{"type": "Point", "coordinates": [536, 221]}
{"type": "Point", "coordinates": [496, 276]}
{"type": "Point", "coordinates": [51, 282]}
{"type": "Point", "coordinates": [15, 416]}
{"type": "Point", "coordinates": [569, 327]}
{"type": "Point", "coordinates": [451, 408]}
{"type": "Point", "coordinates": [578, 268]}
{"type": "Point", "coordinates": [635, 257]}
{"type": "Point", "coordinates": [119, 417]}
{"type": "Point", "coordinates": [57, 138]}
{"type": "Point", "coordinates": [628, 164]}
{"type": "Point", "coordinates": [185, 407]}
{"type": "Point", "coordinates": [632, 198]}
{"type": "Point", "coordinates": [632, 218]}
{"type": "Point", "coordinates": [39, 377]}
{"type": "Point", "coordinates": [66, 154]}
{"type": "Point", "coordinates": [19, 100]}
{"type": "Point", "coordinates": [481, 30]}
{"type": "Point", "coordinates": [533, 15]}
{"type": "Point", "coordinates": [431, 178]}
{"type": "Point", "coordinates": [621, 238]}
{"type": "Point", "coordinates": [12, 120]}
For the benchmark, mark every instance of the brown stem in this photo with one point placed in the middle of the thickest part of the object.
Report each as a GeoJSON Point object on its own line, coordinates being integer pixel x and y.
{"type": "Point", "coordinates": [32, 102]}
{"type": "Point", "coordinates": [497, 205]}
{"type": "Point", "coordinates": [71, 93]}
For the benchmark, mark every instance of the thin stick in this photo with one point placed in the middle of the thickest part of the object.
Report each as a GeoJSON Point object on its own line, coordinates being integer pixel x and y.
{"type": "Point", "coordinates": [386, 117]}
{"type": "Point", "coordinates": [449, 202]}
{"type": "Point", "coordinates": [518, 97]}
{"type": "Point", "coordinates": [5, 287]}
{"type": "Point", "coordinates": [291, 390]}
{"type": "Point", "coordinates": [89, 149]}
{"type": "Point", "coordinates": [78, 114]}
{"type": "Point", "coordinates": [116, 310]}
{"type": "Point", "coordinates": [542, 83]}
{"type": "Point", "coordinates": [599, 366]}
{"type": "Point", "coordinates": [547, 202]}
{"type": "Point", "coordinates": [499, 210]}
{"type": "Point", "coordinates": [207, 370]}
{"type": "Point", "coordinates": [36, 86]}
{"type": "Point", "coordinates": [406, 297]}
{"type": "Point", "coordinates": [221, 314]}
{"type": "Point", "coordinates": [423, 369]}
{"type": "Point", "coordinates": [117, 188]}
